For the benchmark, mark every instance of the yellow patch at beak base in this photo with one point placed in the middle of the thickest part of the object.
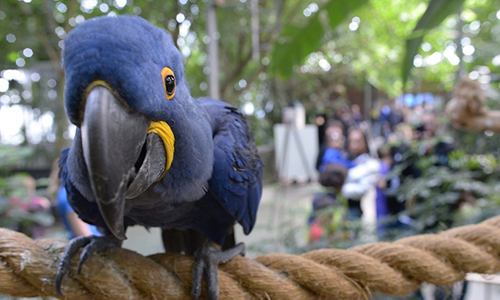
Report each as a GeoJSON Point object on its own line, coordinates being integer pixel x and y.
{"type": "Point", "coordinates": [167, 136]}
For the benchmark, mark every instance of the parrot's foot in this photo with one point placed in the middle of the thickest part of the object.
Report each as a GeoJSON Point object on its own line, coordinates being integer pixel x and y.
{"type": "Point", "coordinates": [90, 245]}
{"type": "Point", "coordinates": [208, 258]}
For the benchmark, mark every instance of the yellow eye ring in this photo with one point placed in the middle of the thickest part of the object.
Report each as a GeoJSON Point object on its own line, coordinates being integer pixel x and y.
{"type": "Point", "coordinates": [168, 82]}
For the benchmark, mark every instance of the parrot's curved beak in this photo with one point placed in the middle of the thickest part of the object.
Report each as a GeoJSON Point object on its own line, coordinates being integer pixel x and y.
{"type": "Point", "coordinates": [122, 159]}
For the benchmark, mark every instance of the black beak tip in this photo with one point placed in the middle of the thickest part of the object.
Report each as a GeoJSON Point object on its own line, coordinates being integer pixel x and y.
{"type": "Point", "coordinates": [120, 235]}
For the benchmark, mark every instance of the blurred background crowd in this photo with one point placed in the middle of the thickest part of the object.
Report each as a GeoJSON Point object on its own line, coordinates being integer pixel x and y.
{"type": "Point", "coordinates": [365, 164]}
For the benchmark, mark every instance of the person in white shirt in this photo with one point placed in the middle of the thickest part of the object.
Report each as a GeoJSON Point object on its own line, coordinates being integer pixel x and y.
{"type": "Point", "coordinates": [363, 176]}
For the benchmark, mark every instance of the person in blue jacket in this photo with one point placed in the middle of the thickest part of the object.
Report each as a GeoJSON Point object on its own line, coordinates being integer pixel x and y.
{"type": "Point", "coordinates": [74, 225]}
{"type": "Point", "coordinates": [335, 145]}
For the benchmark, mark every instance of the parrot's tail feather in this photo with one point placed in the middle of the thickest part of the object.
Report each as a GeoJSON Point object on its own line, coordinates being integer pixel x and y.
{"type": "Point", "coordinates": [182, 241]}
{"type": "Point", "coordinates": [189, 241]}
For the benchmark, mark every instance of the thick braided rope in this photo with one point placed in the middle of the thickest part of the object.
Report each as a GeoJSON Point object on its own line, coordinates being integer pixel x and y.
{"type": "Point", "coordinates": [27, 269]}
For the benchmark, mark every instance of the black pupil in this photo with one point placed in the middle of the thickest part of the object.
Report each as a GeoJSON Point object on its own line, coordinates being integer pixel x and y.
{"type": "Point", "coordinates": [170, 84]}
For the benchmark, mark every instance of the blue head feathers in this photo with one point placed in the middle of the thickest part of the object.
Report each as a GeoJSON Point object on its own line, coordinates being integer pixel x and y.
{"type": "Point", "coordinates": [126, 52]}
{"type": "Point", "coordinates": [129, 54]}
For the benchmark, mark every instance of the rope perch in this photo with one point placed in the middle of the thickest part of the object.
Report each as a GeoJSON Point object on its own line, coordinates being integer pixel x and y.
{"type": "Point", "coordinates": [28, 268]}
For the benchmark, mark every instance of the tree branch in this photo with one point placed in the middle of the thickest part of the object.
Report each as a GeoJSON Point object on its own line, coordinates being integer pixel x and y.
{"type": "Point", "coordinates": [72, 9]}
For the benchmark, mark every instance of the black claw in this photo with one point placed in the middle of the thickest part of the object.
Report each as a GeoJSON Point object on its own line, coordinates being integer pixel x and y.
{"type": "Point", "coordinates": [85, 256]}
{"type": "Point", "coordinates": [90, 245]}
{"type": "Point", "coordinates": [59, 278]}
{"type": "Point", "coordinates": [212, 281]}
{"type": "Point", "coordinates": [227, 255]}
{"type": "Point", "coordinates": [207, 259]}
{"type": "Point", "coordinates": [197, 272]}
{"type": "Point", "coordinates": [64, 265]}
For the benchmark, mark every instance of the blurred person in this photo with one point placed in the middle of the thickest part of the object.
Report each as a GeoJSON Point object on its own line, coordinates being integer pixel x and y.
{"type": "Point", "coordinates": [363, 176]}
{"type": "Point", "coordinates": [335, 144]}
{"type": "Point", "coordinates": [430, 125]}
{"type": "Point", "coordinates": [333, 138]}
{"type": "Point", "coordinates": [332, 165]}
{"type": "Point", "coordinates": [433, 140]}
{"type": "Point", "coordinates": [385, 112]}
{"type": "Point", "coordinates": [36, 202]}
{"type": "Point", "coordinates": [356, 114]}
{"type": "Point", "coordinates": [382, 209]}
{"type": "Point", "coordinates": [382, 123]}
{"type": "Point", "coordinates": [401, 142]}
{"type": "Point", "coordinates": [404, 133]}
{"type": "Point", "coordinates": [72, 223]}
{"type": "Point", "coordinates": [323, 222]}
{"type": "Point", "coordinates": [388, 207]}
{"type": "Point", "coordinates": [396, 117]}
{"type": "Point", "coordinates": [385, 130]}
{"type": "Point", "coordinates": [26, 204]}
{"type": "Point", "coordinates": [417, 112]}
{"type": "Point", "coordinates": [346, 117]}
{"type": "Point", "coordinates": [321, 122]}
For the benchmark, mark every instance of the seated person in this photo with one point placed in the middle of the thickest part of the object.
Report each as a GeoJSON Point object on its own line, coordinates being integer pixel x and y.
{"type": "Point", "coordinates": [333, 177]}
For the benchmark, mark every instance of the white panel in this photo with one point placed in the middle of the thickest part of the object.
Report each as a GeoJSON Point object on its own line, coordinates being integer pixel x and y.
{"type": "Point", "coordinates": [289, 164]}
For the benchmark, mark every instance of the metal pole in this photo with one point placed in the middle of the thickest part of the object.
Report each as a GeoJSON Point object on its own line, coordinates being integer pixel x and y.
{"type": "Point", "coordinates": [254, 8]}
{"type": "Point", "coordinates": [213, 53]}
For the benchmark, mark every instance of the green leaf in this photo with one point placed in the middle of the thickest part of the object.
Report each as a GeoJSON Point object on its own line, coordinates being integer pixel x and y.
{"type": "Point", "coordinates": [436, 12]}
{"type": "Point", "coordinates": [411, 50]}
{"type": "Point", "coordinates": [339, 10]}
{"type": "Point", "coordinates": [296, 43]}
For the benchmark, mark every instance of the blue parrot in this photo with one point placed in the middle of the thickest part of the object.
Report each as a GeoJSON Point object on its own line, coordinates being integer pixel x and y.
{"type": "Point", "coordinates": [147, 153]}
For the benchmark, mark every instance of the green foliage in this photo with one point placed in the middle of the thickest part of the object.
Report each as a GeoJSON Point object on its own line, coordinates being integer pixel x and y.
{"type": "Point", "coordinates": [339, 10]}
{"type": "Point", "coordinates": [20, 208]}
{"type": "Point", "coordinates": [374, 50]}
{"type": "Point", "coordinates": [435, 198]}
{"type": "Point", "coordinates": [11, 156]}
{"type": "Point", "coordinates": [389, 37]}
{"type": "Point", "coordinates": [296, 42]}
{"type": "Point", "coordinates": [437, 11]}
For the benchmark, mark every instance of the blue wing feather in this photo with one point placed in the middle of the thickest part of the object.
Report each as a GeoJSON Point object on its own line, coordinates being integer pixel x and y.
{"type": "Point", "coordinates": [237, 176]}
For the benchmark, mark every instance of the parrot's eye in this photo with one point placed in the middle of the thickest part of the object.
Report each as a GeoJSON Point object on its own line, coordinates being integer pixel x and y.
{"type": "Point", "coordinates": [169, 82]}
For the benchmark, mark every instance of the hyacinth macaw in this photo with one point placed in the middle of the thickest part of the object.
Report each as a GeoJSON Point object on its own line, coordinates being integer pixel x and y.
{"type": "Point", "coordinates": [147, 153]}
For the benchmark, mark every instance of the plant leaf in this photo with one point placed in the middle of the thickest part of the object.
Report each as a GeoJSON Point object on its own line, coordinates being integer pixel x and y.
{"type": "Point", "coordinates": [297, 42]}
{"type": "Point", "coordinates": [339, 10]}
{"type": "Point", "coordinates": [294, 45]}
{"type": "Point", "coordinates": [436, 12]}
